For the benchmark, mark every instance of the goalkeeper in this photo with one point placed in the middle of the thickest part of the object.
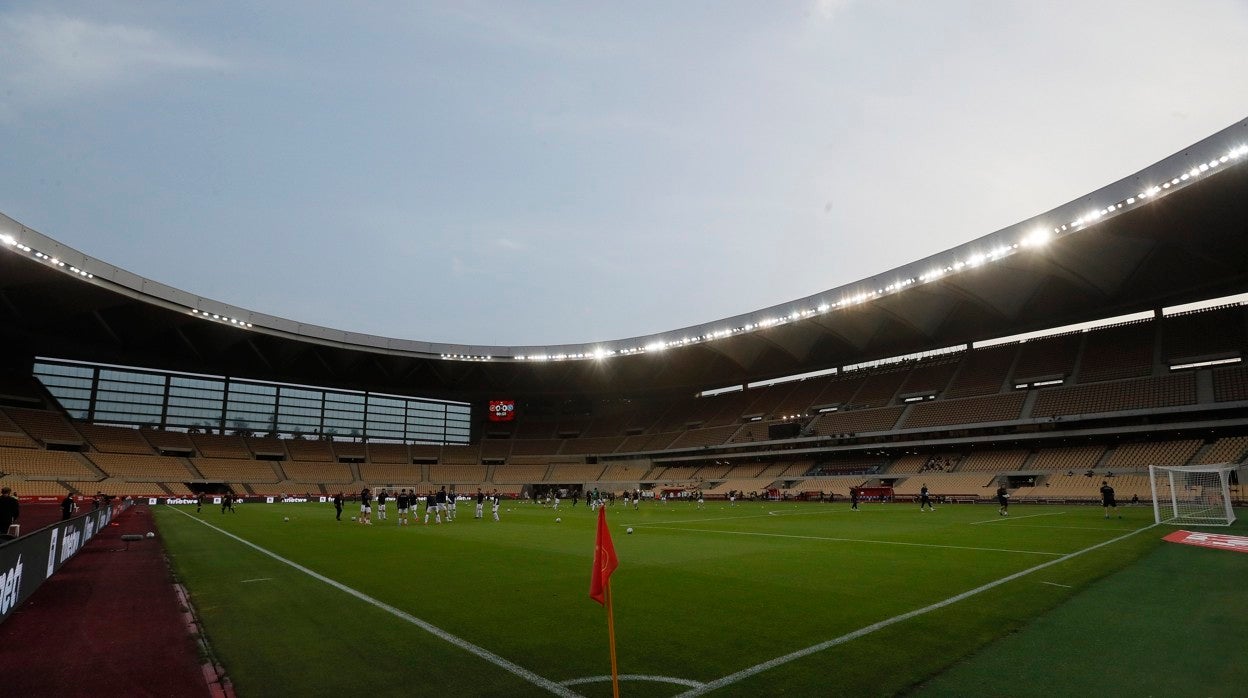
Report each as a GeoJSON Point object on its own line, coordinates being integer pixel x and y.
{"type": "Point", "coordinates": [1107, 498]}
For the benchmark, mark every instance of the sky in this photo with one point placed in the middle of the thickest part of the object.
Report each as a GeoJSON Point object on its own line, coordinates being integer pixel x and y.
{"type": "Point", "coordinates": [534, 173]}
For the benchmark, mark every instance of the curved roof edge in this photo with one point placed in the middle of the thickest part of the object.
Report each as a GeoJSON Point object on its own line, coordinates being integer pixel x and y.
{"type": "Point", "coordinates": [1222, 150]}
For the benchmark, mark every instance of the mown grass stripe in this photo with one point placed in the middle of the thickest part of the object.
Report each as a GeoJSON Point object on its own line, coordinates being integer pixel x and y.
{"type": "Point", "coordinates": [428, 627]}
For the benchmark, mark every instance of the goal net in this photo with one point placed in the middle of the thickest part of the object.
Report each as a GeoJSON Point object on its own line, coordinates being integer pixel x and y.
{"type": "Point", "coordinates": [1192, 495]}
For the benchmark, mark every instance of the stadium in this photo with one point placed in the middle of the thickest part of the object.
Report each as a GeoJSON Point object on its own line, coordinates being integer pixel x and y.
{"type": "Point", "coordinates": [1078, 347]}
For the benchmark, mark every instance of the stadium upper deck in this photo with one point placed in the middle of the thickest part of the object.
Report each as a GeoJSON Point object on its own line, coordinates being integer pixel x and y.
{"type": "Point", "coordinates": [1169, 234]}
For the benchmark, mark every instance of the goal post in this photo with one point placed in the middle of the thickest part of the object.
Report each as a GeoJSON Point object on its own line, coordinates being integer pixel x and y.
{"type": "Point", "coordinates": [1192, 495]}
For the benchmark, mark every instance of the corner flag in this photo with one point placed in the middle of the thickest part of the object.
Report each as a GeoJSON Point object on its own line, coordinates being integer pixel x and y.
{"type": "Point", "coordinates": [605, 560]}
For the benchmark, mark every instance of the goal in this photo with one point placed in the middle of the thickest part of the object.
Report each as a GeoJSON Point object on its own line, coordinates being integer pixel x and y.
{"type": "Point", "coordinates": [1193, 495]}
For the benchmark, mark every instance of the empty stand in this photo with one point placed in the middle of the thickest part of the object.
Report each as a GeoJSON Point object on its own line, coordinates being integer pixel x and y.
{"type": "Point", "coordinates": [310, 450]}
{"type": "Point", "coordinates": [110, 439]}
{"type": "Point", "coordinates": [879, 388]}
{"type": "Point", "coordinates": [1123, 351]}
{"type": "Point", "coordinates": [142, 468]}
{"type": "Point", "coordinates": [983, 371]}
{"type": "Point", "coordinates": [1134, 394]}
{"type": "Point", "coordinates": [989, 408]}
{"type": "Point", "coordinates": [573, 474]}
{"type": "Point", "coordinates": [392, 473]}
{"type": "Point", "coordinates": [235, 470]}
{"type": "Point", "coordinates": [44, 426]}
{"type": "Point", "coordinates": [1230, 383]}
{"type": "Point", "coordinates": [225, 446]}
{"type": "Point", "coordinates": [993, 461]}
{"type": "Point", "coordinates": [336, 473]}
{"type": "Point", "coordinates": [1048, 356]}
{"type": "Point", "coordinates": [930, 376]}
{"type": "Point", "coordinates": [519, 474]}
{"type": "Point", "coordinates": [36, 464]}
{"type": "Point", "coordinates": [1070, 458]}
{"type": "Point", "coordinates": [1204, 334]}
{"type": "Point", "coordinates": [1142, 455]}
{"type": "Point", "coordinates": [855, 421]}
{"type": "Point", "coordinates": [457, 474]}
{"type": "Point", "coordinates": [712, 436]}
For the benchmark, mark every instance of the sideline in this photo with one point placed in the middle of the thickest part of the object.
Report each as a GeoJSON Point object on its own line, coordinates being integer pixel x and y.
{"type": "Point", "coordinates": [793, 656]}
{"type": "Point", "coordinates": [428, 627]}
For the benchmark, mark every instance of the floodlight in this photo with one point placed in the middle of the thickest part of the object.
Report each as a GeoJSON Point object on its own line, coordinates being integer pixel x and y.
{"type": "Point", "coordinates": [1037, 238]}
{"type": "Point", "coordinates": [8, 239]}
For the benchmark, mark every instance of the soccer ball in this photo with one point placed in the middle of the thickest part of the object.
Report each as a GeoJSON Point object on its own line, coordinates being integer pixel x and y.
{"type": "Point", "coordinates": [558, 520]}
{"type": "Point", "coordinates": [629, 531]}
{"type": "Point", "coordinates": [151, 534]}
{"type": "Point", "coordinates": [353, 518]}
{"type": "Point", "coordinates": [285, 518]}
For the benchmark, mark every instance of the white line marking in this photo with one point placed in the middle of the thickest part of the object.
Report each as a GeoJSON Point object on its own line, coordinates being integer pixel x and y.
{"type": "Point", "coordinates": [792, 656]}
{"type": "Point", "coordinates": [258, 579]}
{"type": "Point", "coordinates": [857, 540]}
{"type": "Point", "coordinates": [1055, 584]}
{"type": "Point", "coordinates": [634, 677]}
{"type": "Point", "coordinates": [732, 518]}
{"type": "Point", "coordinates": [428, 627]}
{"type": "Point", "coordinates": [1015, 518]}
{"type": "Point", "coordinates": [1102, 529]}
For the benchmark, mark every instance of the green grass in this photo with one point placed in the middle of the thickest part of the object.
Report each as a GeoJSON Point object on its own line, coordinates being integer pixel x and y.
{"type": "Point", "coordinates": [699, 595]}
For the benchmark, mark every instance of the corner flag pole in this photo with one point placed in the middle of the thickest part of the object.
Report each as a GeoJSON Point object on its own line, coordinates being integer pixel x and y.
{"type": "Point", "coordinates": [605, 563]}
{"type": "Point", "coordinates": [615, 672]}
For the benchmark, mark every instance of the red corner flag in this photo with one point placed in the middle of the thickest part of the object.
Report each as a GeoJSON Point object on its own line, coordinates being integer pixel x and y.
{"type": "Point", "coordinates": [605, 560]}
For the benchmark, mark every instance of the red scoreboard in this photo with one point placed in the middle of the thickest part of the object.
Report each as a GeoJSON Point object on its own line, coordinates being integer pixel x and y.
{"type": "Point", "coordinates": [502, 410]}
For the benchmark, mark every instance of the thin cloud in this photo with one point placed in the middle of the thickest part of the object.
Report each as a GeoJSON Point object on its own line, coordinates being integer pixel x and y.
{"type": "Point", "coordinates": [509, 244]}
{"type": "Point", "coordinates": [828, 9]}
{"type": "Point", "coordinates": [54, 57]}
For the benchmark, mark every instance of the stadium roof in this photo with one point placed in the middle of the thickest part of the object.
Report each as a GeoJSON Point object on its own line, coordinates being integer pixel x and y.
{"type": "Point", "coordinates": [1173, 233]}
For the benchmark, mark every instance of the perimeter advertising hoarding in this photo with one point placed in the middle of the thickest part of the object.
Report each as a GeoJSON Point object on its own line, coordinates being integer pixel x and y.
{"type": "Point", "coordinates": [27, 561]}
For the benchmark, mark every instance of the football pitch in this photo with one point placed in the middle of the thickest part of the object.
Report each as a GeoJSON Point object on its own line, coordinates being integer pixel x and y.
{"type": "Point", "coordinates": [757, 599]}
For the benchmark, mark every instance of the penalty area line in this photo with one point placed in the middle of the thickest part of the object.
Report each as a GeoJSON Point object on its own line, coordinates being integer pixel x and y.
{"type": "Point", "coordinates": [496, 660]}
{"type": "Point", "coordinates": [793, 656]}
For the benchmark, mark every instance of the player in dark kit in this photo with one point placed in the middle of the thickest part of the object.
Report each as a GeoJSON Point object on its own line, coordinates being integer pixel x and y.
{"type": "Point", "coordinates": [199, 502]}
{"type": "Point", "coordinates": [1003, 499]}
{"type": "Point", "coordinates": [338, 507]}
{"type": "Point", "coordinates": [402, 501]}
{"type": "Point", "coordinates": [431, 507]}
{"type": "Point", "coordinates": [853, 498]}
{"type": "Point", "coordinates": [381, 505]}
{"type": "Point", "coordinates": [1107, 498]}
{"type": "Point", "coordinates": [366, 506]}
{"type": "Point", "coordinates": [924, 500]}
{"type": "Point", "coordinates": [480, 504]}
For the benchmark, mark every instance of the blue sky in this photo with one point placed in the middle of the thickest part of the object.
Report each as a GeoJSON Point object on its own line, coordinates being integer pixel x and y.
{"type": "Point", "coordinates": [533, 173]}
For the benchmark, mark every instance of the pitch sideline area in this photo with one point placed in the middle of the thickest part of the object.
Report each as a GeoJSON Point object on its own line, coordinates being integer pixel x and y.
{"type": "Point", "coordinates": [789, 587]}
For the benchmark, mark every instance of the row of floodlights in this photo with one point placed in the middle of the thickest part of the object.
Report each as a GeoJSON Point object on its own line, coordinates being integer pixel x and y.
{"type": "Point", "coordinates": [12, 242]}
{"type": "Point", "coordinates": [219, 318]}
{"type": "Point", "coordinates": [1034, 239]}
